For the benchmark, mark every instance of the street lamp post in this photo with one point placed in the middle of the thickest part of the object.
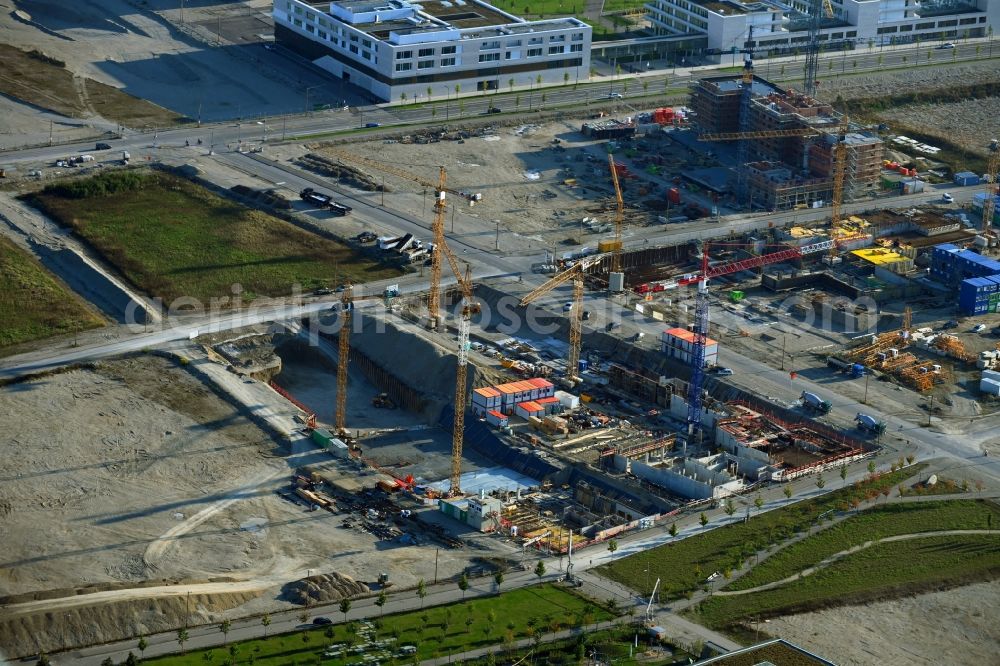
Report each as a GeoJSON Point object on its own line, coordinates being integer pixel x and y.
{"type": "Point", "coordinates": [307, 94]}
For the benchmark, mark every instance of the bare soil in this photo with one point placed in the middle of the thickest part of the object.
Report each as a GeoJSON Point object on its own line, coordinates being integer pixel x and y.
{"type": "Point", "coordinates": [952, 627]}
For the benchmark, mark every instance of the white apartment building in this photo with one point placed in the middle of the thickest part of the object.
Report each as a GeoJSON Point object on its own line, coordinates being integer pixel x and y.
{"type": "Point", "coordinates": [781, 26]}
{"type": "Point", "coordinates": [394, 48]}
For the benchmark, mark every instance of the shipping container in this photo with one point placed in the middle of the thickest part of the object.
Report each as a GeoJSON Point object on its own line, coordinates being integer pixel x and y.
{"type": "Point", "coordinates": [322, 437]}
{"type": "Point", "coordinates": [966, 178]}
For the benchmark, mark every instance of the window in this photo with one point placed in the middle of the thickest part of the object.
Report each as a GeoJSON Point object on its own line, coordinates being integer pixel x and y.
{"type": "Point", "coordinates": [403, 66]}
{"type": "Point", "coordinates": [852, 34]}
{"type": "Point", "coordinates": [367, 55]}
{"type": "Point", "coordinates": [575, 48]}
{"type": "Point", "coordinates": [555, 49]}
{"type": "Point", "coordinates": [354, 38]}
{"type": "Point", "coordinates": [298, 10]}
{"type": "Point", "coordinates": [513, 42]}
{"type": "Point", "coordinates": [322, 21]}
{"type": "Point", "coordinates": [321, 33]}
{"type": "Point", "coordinates": [298, 22]}
{"type": "Point", "coordinates": [447, 62]}
{"type": "Point", "coordinates": [535, 40]}
{"type": "Point", "coordinates": [489, 46]}
{"type": "Point", "coordinates": [489, 57]}
{"type": "Point", "coordinates": [578, 37]}
{"type": "Point", "coordinates": [425, 64]}
{"type": "Point", "coordinates": [310, 16]}
{"type": "Point", "coordinates": [354, 48]}
{"type": "Point", "coordinates": [447, 50]}
{"type": "Point", "coordinates": [557, 38]}
{"type": "Point", "coordinates": [310, 28]}
{"type": "Point", "coordinates": [512, 55]}
{"type": "Point", "coordinates": [534, 53]}
{"type": "Point", "coordinates": [425, 53]}
{"type": "Point", "coordinates": [403, 55]}
{"type": "Point", "coordinates": [367, 43]}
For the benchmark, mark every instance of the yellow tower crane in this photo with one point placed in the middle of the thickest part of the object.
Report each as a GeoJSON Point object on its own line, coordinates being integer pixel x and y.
{"type": "Point", "coordinates": [839, 157]}
{"type": "Point", "coordinates": [470, 307]}
{"type": "Point", "coordinates": [616, 246]}
{"type": "Point", "coordinates": [576, 274]}
{"type": "Point", "coordinates": [437, 228]}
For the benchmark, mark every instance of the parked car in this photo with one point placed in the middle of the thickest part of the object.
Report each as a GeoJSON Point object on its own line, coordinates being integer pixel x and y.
{"type": "Point", "coordinates": [947, 198]}
{"type": "Point", "coordinates": [373, 124]}
{"type": "Point", "coordinates": [567, 306]}
{"type": "Point", "coordinates": [950, 324]}
{"type": "Point", "coordinates": [493, 109]}
{"type": "Point", "coordinates": [586, 315]}
{"type": "Point", "coordinates": [979, 328]}
{"type": "Point", "coordinates": [366, 237]}
{"type": "Point", "coordinates": [725, 372]}
{"type": "Point", "coordinates": [102, 146]}
{"type": "Point", "coordinates": [322, 620]}
{"type": "Point", "coordinates": [323, 291]}
{"type": "Point", "coordinates": [947, 45]}
{"type": "Point", "coordinates": [615, 95]}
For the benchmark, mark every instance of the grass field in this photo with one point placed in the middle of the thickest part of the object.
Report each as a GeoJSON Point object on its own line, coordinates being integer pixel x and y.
{"type": "Point", "coordinates": [683, 566]}
{"type": "Point", "coordinates": [172, 238]}
{"type": "Point", "coordinates": [434, 631]}
{"type": "Point", "coordinates": [33, 303]}
{"type": "Point", "coordinates": [875, 523]}
{"type": "Point", "coordinates": [882, 571]}
{"type": "Point", "coordinates": [45, 82]}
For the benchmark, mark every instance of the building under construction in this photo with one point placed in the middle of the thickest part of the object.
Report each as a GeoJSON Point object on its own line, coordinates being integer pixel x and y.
{"type": "Point", "coordinates": [793, 152]}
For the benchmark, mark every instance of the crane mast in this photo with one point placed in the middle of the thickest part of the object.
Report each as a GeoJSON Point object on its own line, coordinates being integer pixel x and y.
{"type": "Point", "coordinates": [992, 175]}
{"type": "Point", "coordinates": [616, 251]}
{"type": "Point", "coordinates": [696, 385]}
{"type": "Point", "coordinates": [434, 297]}
{"type": "Point", "coordinates": [343, 358]}
{"type": "Point", "coordinates": [817, 11]}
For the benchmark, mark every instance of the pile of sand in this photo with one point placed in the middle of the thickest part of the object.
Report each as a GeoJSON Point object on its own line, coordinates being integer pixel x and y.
{"type": "Point", "coordinates": [323, 589]}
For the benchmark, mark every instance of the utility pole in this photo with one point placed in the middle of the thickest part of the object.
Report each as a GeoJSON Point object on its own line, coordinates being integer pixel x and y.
{"type": "Point", "coordinates": [865, 400]}
{"type": "Point", "coordinates": [283, 119]}
{"type": "Point", "coordinates": [436, 553]}
{"type": "Point", "coordinates": [498, 234]}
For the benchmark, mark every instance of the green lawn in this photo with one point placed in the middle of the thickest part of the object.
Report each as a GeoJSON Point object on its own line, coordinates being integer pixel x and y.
{"type": "Point", "coordinates": [434, 631]}
{"type": "Point", "coordinates": [33, 303]}
{"type": "Point", "coordinates": [882, 571]}
{"type": "Point", "coordinates": [875, 523]}
{"type": "Point", "coordinates": [173, 238]}
{"type": "Point", "coordinates": [684, 565]}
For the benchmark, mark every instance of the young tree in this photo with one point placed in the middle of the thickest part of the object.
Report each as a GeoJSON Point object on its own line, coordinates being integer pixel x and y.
{"type": "Point", "coordinates": [463, 584]}
{"type": "Point", "coordinates": [234, 650]}
{"type": "Point", "coordinates": [265, 621]}
{"type": "Point", "coordinates": [303, 617]}
{"type": "Point", "coordinates": [819, 481]}
{"type": "Point", "coordinates": [182, 637]}
{"type": "Point", "coordinates": [421, 591]}
{"type": "Point", "coordinates": [703, 519]}
{"type": "Point", "coordinates": [645, 87]}
{"type": "Point", "coordinates": [565, 78]}
{"type": "Point", "coordinates": [498, 579]}
{"type": "Point", "coordinates": [673, 529]}
{"type": "Point", "coordinates": [612, 546]}
{"type": "Point", "coordinates": [380, 601]}
{"type": "Point", "coordinates": [729, 507]}
{"type": "Point", "coordinates": [107, 661]}
{"type": "Point", "coordinates": [540, 569]}
{"type": "Point", "coordinates": [345, 607]}
{"type": "Point", "coordinates": [788, 491]}
{"type": "Point", "coordinates": [843, 474]}
{"type": "Point", "coordinates": [871, 466]}
{"type": "Point", "coordinates": [224, 628]}
{"type": "Point", "coordinates": [142, 645]}
{"type": "Point", "coordinates": [402, 98]}
{"type": "Point", "coordinates": [429, 92]}
{"type": "Point", "coordinates": [758, 502]}
{"type": "Point", "coordinates": [469, 621]}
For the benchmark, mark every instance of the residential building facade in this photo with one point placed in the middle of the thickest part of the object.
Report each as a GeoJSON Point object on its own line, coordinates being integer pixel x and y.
{"type": "Point", "coordinates": [398, 49]}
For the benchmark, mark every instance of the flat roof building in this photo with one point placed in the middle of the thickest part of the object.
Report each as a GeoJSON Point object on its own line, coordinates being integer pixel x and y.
{"type": "Point", "coordinates": [782, 25]}
{"type": "Point", "coordinates": [397, 48]}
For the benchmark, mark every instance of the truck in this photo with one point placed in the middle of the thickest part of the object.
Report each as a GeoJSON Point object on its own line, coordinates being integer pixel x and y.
{"type": "Point", "coordinates": [815, 403]}
{"type": "Point", "coordinates": [869, 423]}
{"type": "Point", "coordinates": [312, 196]}
{"type": "Point", "coordinates": [853, 370]}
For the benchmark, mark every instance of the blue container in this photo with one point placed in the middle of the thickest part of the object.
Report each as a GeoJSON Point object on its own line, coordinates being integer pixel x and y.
{"type": "Point", "coordinates": [966, 178]}
{"type": "Point", "coordinates": [583, 364]}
